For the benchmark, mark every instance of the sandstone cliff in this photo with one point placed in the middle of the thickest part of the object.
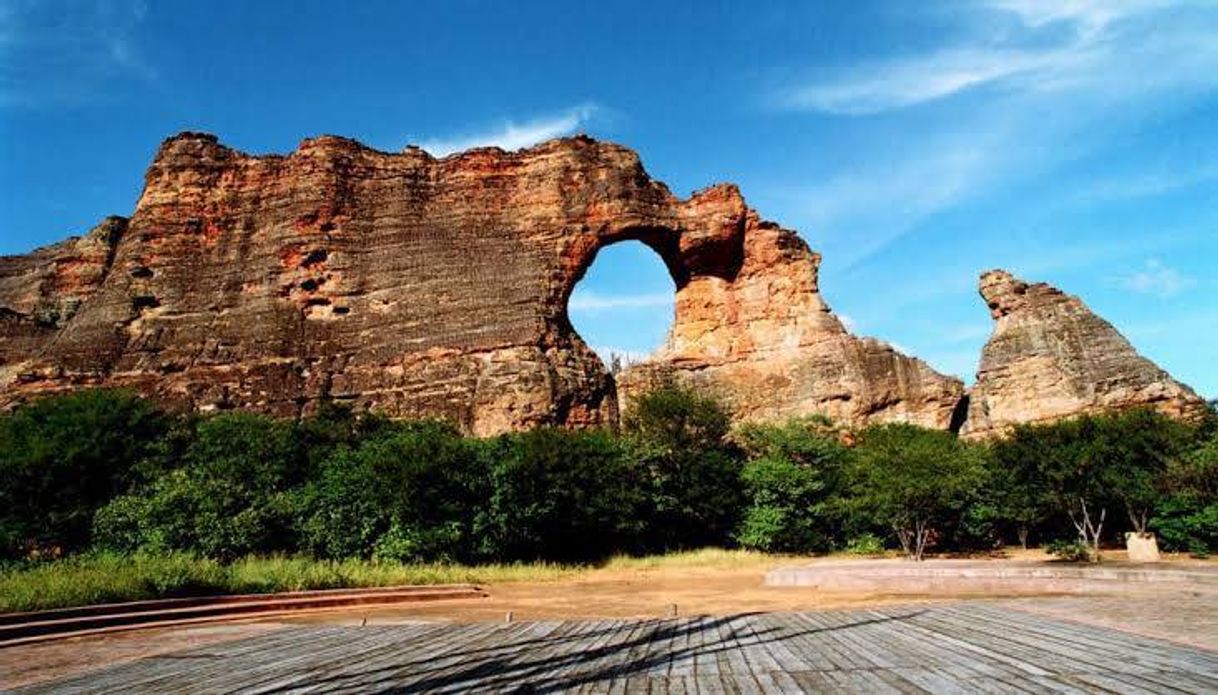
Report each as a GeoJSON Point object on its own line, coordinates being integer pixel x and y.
{"type": "Point", "coordinates": [764, 341]}
{"type": "Point", "coordinates": [1050, 357]}
{"type": "Point", "coordinates": [422, 286]}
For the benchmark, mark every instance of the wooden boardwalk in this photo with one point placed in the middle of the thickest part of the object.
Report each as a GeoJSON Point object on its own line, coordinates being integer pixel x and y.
{"type": "Point", "coordinates": [966, 648]}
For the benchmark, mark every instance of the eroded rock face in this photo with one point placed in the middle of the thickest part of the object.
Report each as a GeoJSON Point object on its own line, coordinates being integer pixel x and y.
{"type": "Point", "coordinates": [765, 342]}
{"type": "Point", "coordinates": [422, 286]}
{"type": "Point", "coordinates": [1050, 357]}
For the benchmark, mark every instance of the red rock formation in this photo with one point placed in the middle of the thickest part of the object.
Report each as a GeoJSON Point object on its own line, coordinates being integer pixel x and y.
{"type": "Point", "coordinates": [1050, 357]}
{"type": "Point", "coordinates": [765, 342]}
{"type": "Point", "coordinates": [419, 286]}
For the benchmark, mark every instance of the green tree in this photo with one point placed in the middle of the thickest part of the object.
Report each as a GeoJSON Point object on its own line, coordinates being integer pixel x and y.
{"type": "Point", "coordinates": [561, 495]}
{"type": "Point", "coordinates": [433, 484]}
{"type": "Point", "coordinates": [234, 493]}
{"type": "Point", "coordinates": [1137, 447]}
{"type": "Point", "coordinates": [1016, 484]}
{"type": "Point", "coordinates": [63, 457]}
{"type": "Point", "coordinates": [790, 479]}
{"type": "Point", "coordinates": [914, 480]}
{"type": "Point", "coordinates": [1093, 463]}
{"type": "Point", "coordinates": [693, 472]}
{"type": "Point", "coordinates": [1186, 516]}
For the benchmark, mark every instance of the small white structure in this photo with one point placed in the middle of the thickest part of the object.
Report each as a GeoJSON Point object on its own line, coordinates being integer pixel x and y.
{"type": "Point", "coordinates": [1142, 547]}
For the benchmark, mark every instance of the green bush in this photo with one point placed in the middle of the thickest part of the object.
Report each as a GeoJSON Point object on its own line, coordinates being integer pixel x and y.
{"type": "Point", "coordinates": [561, 495]}
{"type": "Point", "coordinates": [63, 457]}
{"type": "Point", "coordinates": [234, 494]}
{"type": "Point", "coordinates": [410, 493]}
{"type": "Point", "coordinates": [1186, 524]}
{"type": "Point", "coordinates": [1069, 550]}
{"type": "Point", "coordinates": [791, 481]}
{"type": "Point", "coordinates": [786, 509]}
{"type": "Point", "coordinates": [914, 481]}
{"type": "Point", "coordinates": [693, 473]}
{"type": "Point", "coordinates": [866, 544]}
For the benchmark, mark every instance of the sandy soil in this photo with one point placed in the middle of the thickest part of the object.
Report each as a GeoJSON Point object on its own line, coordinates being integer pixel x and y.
{"type": "Point", "coordinates": [640, 591]}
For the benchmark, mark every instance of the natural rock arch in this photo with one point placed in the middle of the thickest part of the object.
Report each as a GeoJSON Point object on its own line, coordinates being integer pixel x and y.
{"type": "Point", "coordinates": [422, 286]}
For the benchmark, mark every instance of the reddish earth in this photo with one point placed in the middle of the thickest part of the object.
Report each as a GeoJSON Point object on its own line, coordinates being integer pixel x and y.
{"type": "Point", "coordinates": [1161, 611]}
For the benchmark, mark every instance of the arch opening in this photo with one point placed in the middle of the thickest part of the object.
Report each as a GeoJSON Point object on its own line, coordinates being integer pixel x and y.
{"type": "Point", "coordinates": [624, 304]}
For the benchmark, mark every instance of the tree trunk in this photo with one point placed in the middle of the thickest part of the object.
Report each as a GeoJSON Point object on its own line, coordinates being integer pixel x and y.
{"type": "Point", "coordinates": [904, 536]}
{"type": "Point", "coordinates": [1022, 532]}
{"type": "Point", "coordinates": [1092, 529]}
{"type": "Point", "coordinates": [921, 533]}
{"type": "Point", "coordinates": [1139, 521]}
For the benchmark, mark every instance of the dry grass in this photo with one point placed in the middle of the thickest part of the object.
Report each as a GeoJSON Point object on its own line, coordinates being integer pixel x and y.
{"type": "Point", "coordinates": [108, 578]}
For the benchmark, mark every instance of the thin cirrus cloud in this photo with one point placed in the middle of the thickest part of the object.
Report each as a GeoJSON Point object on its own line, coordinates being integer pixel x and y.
{"type": "Point", "coordinates": [513, 136]}
{"type": "Point", "coordinates": [897, 83]}
{"type": "Point", "coordinates": [90, 48]}
{"type": "Point", "coordinates": [1054, 85]}
{"type": "Point", "coordinates": [1156, 279]}
{"type": "Point", "coordinates": [901, 83]}
{"type": "Point", "coordinates": [591, 302]}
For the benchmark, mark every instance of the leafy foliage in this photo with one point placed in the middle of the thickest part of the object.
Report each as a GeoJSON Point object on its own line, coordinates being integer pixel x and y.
{"type": "Point", "coordinates": [106, 471]}
{"type": "Point", "coordinates": [63, 457]}
{"type": "Point", "coordinates": [692, 471]}
{"type": "Point", "coordinates": [1069, 550]}
{"type": "Point", "coordinates": [914, 480]}
{"type": "Point", "coordinates": [562, 495]}
{"type": "Point", "coordinates": [789, 482]}
{"type": "Point", "coordinates": [231, 496]}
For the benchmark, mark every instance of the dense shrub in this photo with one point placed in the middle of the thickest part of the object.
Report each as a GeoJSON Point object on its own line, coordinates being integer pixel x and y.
{"type": "Point", "coordinates": [106, 470]}
{"type": "Point", "coordinates": [562, 495]}
{"type": "Point", "coordinates": [1070, 550]}
{"type": "Point", "coordinates": [232, 495]}
{"type": "Point", "coordinates": [692, 471]}
{"type": "Point", "coordinates": [1186, 516]}
{"type": "Point", "coordinates": [914, 480]}
{"type": "Point", "coordinates": [1089, 469]}
{"type": "Point", "coordinates": [63, 457]}
{"type": "Point", "coordinates": [789, 484]}
{"type": "Point", "coordinates": [866, 544]}
{"type": "Point", "coordinates": [412, 493]}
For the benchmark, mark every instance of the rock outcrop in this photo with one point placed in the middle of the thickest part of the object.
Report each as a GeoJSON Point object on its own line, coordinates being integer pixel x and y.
{"type": "Point", "coordinates": [422, 286]}
{"type": "Point", "coordinates": [764, 341]}
{"type": "Point", "coordinates": [1050, 357]}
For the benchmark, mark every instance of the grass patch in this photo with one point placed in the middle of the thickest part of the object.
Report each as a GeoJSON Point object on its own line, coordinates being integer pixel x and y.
{"type": "Point", "coordinates": [111, 578]}
{"type": "Point", "coordinates": [693, 559]}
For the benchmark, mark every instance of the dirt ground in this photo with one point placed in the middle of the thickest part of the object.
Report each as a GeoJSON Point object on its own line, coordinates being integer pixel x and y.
{"type": "Point", "coordinates": [622, 592]}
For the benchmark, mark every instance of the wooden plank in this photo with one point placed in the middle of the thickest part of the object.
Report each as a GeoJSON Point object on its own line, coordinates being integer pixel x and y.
{"type": "Point", "coordinates": [966, 649]}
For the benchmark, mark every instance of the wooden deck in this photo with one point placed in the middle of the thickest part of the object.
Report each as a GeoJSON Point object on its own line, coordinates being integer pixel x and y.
{"type": "Point", "coordinates": [967, 648]}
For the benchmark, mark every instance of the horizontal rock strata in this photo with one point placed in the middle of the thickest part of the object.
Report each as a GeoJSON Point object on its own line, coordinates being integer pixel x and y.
{"type": "Point", "coordinates": [418, 286]}
{"type": "Point", "coordinates": [1050, 357]}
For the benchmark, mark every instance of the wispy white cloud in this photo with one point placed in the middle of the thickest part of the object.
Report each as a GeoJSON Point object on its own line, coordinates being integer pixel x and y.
{"type": "Point", "coordinates": [1143, 184]}
{"type": "Point", "coordinates": [1157, 279]}
{"type": "Point", "coordinates": [1088, 15]}
{"type": "Point", "coordinates": [590, 302]}
{"type": "Point", "coordinates": [1052, 87]}
{"type": "Point", "coordinates": [58, 52]}
{"type": "Point", "coordinates": [513, 136]}
{"type": "Point", "coordinates": [869, 209]}
{"type": "Point", "coordinates": [900, 83]}
{"type": "Point", "coordinates": [1009, 62]}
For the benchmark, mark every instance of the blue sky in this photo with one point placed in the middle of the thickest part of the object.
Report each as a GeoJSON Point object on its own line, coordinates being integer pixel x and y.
{"type": "Point", "coordinates": [913, 144]}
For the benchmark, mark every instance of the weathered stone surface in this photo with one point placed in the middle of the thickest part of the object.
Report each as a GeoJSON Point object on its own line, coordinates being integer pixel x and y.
{"type": "Point", "coordinates": [1050, 357]}
{"type": "Point", "coordinates": [765, 342]}
{"type": "Point", "coordinates": [43, 290]}
{"type": "Point", "coordinates": [423, 286]}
